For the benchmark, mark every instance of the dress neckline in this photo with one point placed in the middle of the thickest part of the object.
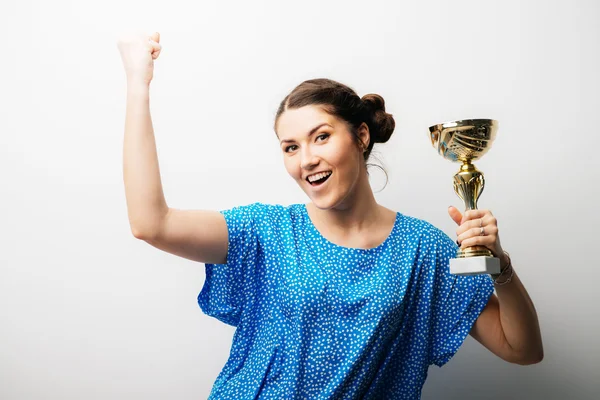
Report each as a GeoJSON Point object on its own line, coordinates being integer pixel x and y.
{"type": "Point", "coordinates": [329, 243]}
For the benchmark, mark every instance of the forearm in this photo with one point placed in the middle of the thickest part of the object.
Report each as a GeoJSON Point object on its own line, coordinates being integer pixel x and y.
{"type": "Point", "coordinates": [519, 320]}
{"type": "Point", "coordinates": [143, 188]}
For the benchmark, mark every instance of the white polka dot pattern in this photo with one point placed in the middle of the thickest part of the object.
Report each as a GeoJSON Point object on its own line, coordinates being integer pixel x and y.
{"type": "Point", "coordinates": [320, 321]}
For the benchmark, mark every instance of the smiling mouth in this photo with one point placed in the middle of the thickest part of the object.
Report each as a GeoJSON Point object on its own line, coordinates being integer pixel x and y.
{"type": "Point", "coordinates": [319, 181]}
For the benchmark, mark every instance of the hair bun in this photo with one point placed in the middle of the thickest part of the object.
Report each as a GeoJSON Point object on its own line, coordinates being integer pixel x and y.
{"type": "Point", "coordinates": [383, 124]}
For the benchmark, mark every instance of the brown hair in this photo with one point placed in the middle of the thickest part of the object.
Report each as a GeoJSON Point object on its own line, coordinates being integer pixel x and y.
{"type": "Point", "coordinates": [342, 101]}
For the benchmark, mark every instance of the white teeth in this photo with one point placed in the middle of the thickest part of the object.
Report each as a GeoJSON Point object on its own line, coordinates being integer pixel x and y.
{"type": "Point", "coordinates": [318, 176]}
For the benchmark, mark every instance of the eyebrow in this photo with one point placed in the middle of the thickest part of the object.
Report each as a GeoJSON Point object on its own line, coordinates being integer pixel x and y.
{"type": "Point", "coordinates": [313, 130]}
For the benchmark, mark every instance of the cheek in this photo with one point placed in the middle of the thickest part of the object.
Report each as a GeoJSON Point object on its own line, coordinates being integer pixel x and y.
{"type": "Point", "coordinates": [346, 160]}
{"type": "Point", "coordinates": [292, 167]}
{"type": "Point", "coordinates": [351, 168]}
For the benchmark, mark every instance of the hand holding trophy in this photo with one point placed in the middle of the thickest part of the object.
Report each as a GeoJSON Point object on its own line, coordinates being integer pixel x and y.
{"type": "Point", "coordinates": [465, 141]}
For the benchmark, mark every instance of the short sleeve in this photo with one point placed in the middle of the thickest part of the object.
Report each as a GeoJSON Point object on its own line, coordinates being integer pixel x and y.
{"type": "Point", "coordinates": [228, 287]}
{"type": "Point", "coordinates": [457, 301]}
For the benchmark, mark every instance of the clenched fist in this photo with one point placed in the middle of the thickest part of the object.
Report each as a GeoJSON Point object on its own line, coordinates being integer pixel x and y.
{"type": "Point", "coordinates": [138, 53]}
{"type": "Point", "coordinates": [478, 228]}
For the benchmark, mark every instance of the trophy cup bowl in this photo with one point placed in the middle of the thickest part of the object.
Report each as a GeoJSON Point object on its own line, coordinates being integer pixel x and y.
{"type": "Point", "coordinates": [465, 141]}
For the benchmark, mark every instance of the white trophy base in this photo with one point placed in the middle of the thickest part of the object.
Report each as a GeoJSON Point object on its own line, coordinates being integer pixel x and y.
{"type": "Point", "coordinates": [474, 265]}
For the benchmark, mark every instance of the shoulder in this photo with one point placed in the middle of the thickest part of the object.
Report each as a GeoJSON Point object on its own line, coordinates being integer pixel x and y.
{"type": "Point", "coordinates": [430, 242]}
{"type": "Point", "coordinates": [423, 229]}
{"type": "Point", "coordinates": [263, 213]}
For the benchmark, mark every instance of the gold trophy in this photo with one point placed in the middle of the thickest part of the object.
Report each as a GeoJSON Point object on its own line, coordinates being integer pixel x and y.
{"type": "Point", "coordinates": [465, 141]}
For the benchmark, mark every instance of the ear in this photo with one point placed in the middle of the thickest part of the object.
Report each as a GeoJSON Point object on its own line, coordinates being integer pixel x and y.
{"type": "Point", "coordinates": [364, 135]}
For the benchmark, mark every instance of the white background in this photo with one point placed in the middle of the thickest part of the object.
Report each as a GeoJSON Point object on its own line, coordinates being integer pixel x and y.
{"type": "Point", "coordinates": [89, 312]}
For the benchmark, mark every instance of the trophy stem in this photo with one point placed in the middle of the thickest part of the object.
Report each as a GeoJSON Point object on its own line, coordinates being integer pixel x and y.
{"type": "Point", "coordinates": [468, 185]}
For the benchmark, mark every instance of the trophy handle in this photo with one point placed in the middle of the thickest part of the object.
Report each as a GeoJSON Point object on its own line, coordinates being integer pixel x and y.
{"type": "Point", "coordinates": [468, 185]}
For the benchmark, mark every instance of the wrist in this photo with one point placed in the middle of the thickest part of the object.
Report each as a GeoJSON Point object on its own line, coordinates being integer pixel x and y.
{"type": "Point", "coordinates": [506, 268]}
{"type": "Point", "coordinates": [136, 85]}
{"type": "Point", "coordinates": [504, 261]}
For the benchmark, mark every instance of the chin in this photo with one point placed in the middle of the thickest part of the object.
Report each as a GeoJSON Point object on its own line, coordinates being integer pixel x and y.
{"type": "Point", "coordinates": [322, 204]}
{"type": "Point", "coordinates": [329, 201]}
{"type": "Point", "coordinates": [333, 197]}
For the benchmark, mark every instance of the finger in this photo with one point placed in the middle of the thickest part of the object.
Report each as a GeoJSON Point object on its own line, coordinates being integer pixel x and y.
{"type": "Point", "coordinates": [489, 232]}
{"type": "Point", "coordinates": [468, 225]}
{"type": "Point", "coordinates": [155, 49]}
{"type": "Point", "coordinates": [155, 45]}
{"type": "Point", "coordinates": [473, 214]}
{"type": "Point", "coordinates": [455, 214]}
{"type": "Point", "coordinates": [155, 36]}
{"type": "Point", "coordinates": [477, 241]}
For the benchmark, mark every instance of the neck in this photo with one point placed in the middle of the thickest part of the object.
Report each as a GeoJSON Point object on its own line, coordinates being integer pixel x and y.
{"type": "Point", "coordinates": [357, 212]}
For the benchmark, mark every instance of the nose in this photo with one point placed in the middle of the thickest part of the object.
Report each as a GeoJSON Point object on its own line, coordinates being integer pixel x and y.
{"type": "Point", "coordinates": [308, 159]}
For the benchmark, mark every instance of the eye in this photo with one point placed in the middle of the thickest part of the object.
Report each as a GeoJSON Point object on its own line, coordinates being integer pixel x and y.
{"type": "Point", "coordinates": [323, 135]}
{"type": "Point", "coordinates": [287, 149]}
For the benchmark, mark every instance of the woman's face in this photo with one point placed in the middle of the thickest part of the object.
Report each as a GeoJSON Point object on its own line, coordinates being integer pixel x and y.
{"type": "Point", "coordinates": [321, 154]}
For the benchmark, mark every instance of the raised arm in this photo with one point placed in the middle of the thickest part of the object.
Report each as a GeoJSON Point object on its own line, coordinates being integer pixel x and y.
{"type": "Point", "coordinates": [195, 234]}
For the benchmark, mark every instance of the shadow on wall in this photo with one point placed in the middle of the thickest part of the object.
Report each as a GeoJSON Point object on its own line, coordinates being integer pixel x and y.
{"type": "Point", "coordinates": [467, 376]}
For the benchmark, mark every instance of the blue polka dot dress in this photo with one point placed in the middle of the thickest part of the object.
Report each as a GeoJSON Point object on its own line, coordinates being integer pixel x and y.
{"type": "Point", "coordinates": [315, 320]}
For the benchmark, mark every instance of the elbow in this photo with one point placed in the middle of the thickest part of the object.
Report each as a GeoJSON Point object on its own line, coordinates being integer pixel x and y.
{"type": "Point", "coordinates": [147, 228]}
{"type": "Point", "coordinates": [531, 358]}
{"type": "Point", "coordinates": [140, 234]}
{"type": "Point", "coordinates": [136, 233]}
{"type": "Point", "coordinates": [539, 356]}
{"type": "Point", "coordinates": [145, 231]}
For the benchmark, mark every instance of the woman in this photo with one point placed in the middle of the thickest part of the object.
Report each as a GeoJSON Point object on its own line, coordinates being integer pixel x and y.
{"type": "Point", "coordinates": [340, 297]}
